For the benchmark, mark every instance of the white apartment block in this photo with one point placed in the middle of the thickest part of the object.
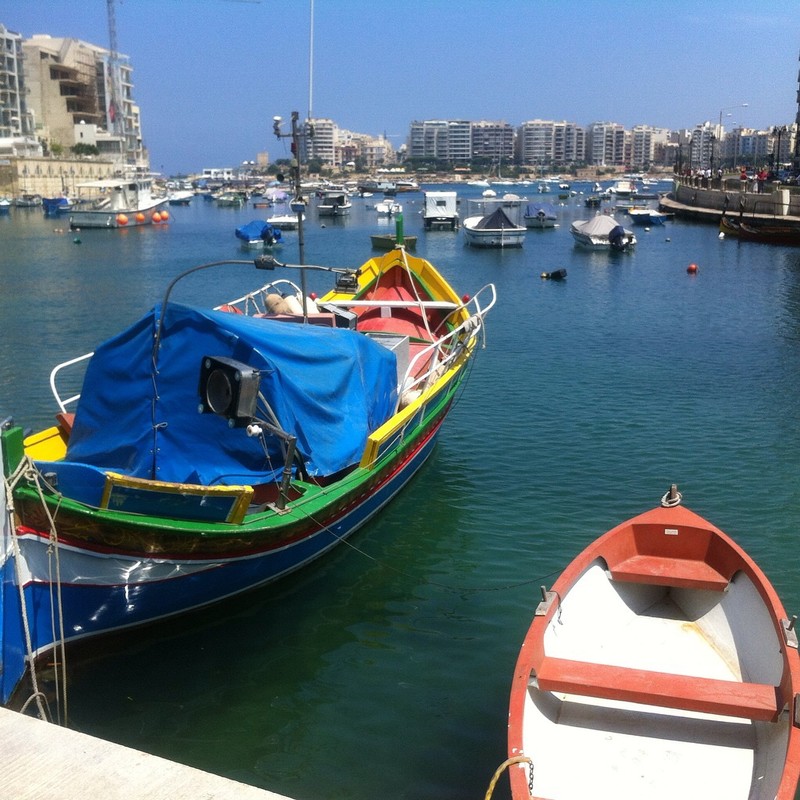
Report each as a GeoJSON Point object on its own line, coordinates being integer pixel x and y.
{"type": "Point", "coordinates": [605, 144]}
{"type": "Point", "coordinates": [541, 142]}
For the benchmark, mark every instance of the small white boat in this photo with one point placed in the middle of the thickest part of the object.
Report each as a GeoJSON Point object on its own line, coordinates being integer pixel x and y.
{"type": "Point", "coordinates": [602, 232]}
{"type": "Point", "coordinates": [388, 207]}
{"type": "Point", "coordinates": [333, 203]}
{"type": "Point", "coordinates": [661, 665]}
{"type": "Point", "coordinates": [493, 230]}
{"type": "Point", "coordinates": [623, 188]}
{"type": "Point", "coordinates": [180, 197]}
{"type": "Point", "coordinates": [285, 222]}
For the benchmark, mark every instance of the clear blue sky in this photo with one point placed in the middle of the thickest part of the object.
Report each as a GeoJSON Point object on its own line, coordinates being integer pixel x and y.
{"type": "Point", "coordinates": [209, 75]}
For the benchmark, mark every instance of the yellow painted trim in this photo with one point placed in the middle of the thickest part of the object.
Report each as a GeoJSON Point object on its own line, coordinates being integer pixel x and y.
{"type": "Point", "coordinates": [46, 445]}
{"type": "Point", "coordinates": [389, 428]}
{"type": "Point", "coordinates": [235, 516]}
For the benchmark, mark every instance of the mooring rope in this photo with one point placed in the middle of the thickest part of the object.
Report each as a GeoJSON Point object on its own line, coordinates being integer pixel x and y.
{"type": "Point", "coordinates": [9, 484]}
{"type": "Point", "coordinates": [26, 470]}
{"type": "Point", "coordinates": [505, 765]}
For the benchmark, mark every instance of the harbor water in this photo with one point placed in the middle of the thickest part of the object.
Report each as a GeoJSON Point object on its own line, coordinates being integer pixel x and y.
{"type": "Point", "coordinates": [384, 669]}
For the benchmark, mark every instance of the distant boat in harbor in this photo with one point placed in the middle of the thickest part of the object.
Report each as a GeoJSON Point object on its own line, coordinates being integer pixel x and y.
{"type": "Point", "coordinates": [117, 203]}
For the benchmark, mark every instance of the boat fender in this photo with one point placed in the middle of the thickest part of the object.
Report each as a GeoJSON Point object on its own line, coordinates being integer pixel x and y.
{"type": "Point", "coordinates": [292, 304]}
{"type": "Point", "coordinates": [275, 304]}
{"type": "Point", "coordinates": [311, 305]}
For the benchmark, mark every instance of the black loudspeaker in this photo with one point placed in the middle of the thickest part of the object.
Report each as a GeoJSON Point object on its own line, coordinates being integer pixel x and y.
{"type": "Point", "coordinates": [228, 388]}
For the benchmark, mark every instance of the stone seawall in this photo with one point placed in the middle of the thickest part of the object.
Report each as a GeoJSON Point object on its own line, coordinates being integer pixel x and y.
{"type": "Point", "coordinates": [727, 196]}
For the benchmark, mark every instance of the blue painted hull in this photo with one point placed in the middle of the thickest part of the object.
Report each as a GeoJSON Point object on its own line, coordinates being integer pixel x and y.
{"type": "Point", "coordinates": [95, 601]}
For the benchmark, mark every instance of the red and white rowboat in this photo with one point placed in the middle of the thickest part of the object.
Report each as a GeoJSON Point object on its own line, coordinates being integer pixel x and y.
{"type": "Point", "coordinates": [661, 665]}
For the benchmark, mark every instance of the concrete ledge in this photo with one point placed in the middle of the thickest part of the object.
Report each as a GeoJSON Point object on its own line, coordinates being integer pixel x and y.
{"type": "Point", "coordinates": [46, 762]}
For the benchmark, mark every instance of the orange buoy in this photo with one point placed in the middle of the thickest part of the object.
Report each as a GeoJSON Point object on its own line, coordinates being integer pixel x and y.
{"type": "Point", "coordinates": [122, 219]}
{"type": "Point", "coordinates": [156, 216]}
{"type": "Point", "coordinates": [164, 215]}
{"type": "Point", "coordinates": [692, 269]}
{"type": "Point", "coordinates": [140, 217]}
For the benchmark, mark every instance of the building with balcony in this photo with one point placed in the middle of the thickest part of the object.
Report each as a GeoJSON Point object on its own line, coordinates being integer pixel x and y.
{"type": "Point", "coordinates": [71, 83]}
{"type": "Point", "coordinates": [605, 146]}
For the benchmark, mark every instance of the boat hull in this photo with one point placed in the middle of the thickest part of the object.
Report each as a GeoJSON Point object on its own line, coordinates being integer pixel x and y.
{"type": "Point", "coordinates": [662, 659]}
{"type": "Point", "coordinates": [130, 549]}
{"type": "Point", "coordinates": [492, 237]}
{"type": "Point", "coordinates": [126, 218]}
{"type": "Point", "coordinates": [765, 233]}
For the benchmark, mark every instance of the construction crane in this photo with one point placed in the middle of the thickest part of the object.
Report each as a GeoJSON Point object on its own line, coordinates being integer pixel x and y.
{"type": "Point", "coordinates": [116, 110]}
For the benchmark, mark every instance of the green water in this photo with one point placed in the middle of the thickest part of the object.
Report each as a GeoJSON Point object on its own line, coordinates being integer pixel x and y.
{"type": "Point", "coordinates": [384, 669]}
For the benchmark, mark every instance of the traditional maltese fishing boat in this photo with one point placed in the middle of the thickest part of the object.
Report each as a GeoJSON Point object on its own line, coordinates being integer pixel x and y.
{"type": "Point", "coordinates": [211, 451]}
{"type": "Point", "coordinates": [660, 665]}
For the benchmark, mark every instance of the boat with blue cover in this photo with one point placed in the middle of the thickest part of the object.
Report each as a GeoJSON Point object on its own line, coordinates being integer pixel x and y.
{"type": "Point", "coordinates": [258, 233]}
{"type": "Point", "coordinates": [211, 451]}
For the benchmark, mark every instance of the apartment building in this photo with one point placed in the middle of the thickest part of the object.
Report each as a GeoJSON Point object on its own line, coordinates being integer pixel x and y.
{"type": "Point", "coordinates": [546, 142]}
{"type": "Point", "coordinates": [77, 90]}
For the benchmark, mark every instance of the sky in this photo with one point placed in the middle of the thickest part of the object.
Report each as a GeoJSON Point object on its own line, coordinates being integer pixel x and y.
{"type": "Point", "coordinates": [209, 75]}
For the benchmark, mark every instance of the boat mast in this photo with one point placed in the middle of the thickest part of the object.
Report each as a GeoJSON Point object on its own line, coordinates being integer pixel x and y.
{"type": "Point", "coordinates": [311, 63]}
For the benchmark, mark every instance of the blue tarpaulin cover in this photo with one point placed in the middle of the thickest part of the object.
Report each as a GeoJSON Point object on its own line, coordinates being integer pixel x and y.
{"type": "Point", "coordinates": [330, 387]}
{"type": "Point", "coordinates": [257, 229]}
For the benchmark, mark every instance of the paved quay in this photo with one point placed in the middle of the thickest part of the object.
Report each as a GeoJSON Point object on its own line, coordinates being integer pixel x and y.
{"type": "Point", "coordinates": [42, 761]}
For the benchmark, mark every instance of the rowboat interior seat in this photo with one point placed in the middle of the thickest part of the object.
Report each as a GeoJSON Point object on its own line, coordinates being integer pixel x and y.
{"type": "Point", "coordinates": [753, 701]}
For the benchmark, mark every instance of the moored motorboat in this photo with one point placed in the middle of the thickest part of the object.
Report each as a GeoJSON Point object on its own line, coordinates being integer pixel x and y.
{"type": "Point", "coordinates": [540, 215]}
{"type": "Point", "coordinates": [258, 233]}
{"type": "Point", "coordinates": [602, 232]}
{"type": "Point", "coordinates": [661, 664]}
{"type": "Point", "coordinates": [214, 450]}
{"type": "Point", "coordinates": [180, 197]}
{"type": "Point", "coordinates": [647, 216]}
{"type": "Point", "coordinates": [493, 230]}
{"type": "Point", "coordinates": [334, 203]}
{"type": "Point", "coordinates": [117, 203]}
{"type": "Point", "coordinates": [440, 211]}
{"type": "Point", "coordinates": [286, 222]}
{"type": "Point", "coordinates": [388, 207]}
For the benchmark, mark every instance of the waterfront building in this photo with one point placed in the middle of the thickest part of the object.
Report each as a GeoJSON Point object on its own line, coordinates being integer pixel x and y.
{"type": "Point", "coordinates": [447, 141]}
{"type": "Point", "coordinates": [493, 141]}
{"type": "Point", "coordinates": [541, 142]}
{"type": "Point", "coordinates": [70, 84]}
{"type": "Point", "coordinates": [647, 146]}
{"type": "Point", "coordinates": [605, 144]}
{"type": "Point", "coordinates": [16, 121]}
{"type": "Point", "coordinates": [701, 147]}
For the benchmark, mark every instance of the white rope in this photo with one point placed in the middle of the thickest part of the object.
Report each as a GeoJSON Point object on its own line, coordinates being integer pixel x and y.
{"type": "Point", "coordinates": [28, 470]}
{"type": "Point", "coordinates": [9, 484]}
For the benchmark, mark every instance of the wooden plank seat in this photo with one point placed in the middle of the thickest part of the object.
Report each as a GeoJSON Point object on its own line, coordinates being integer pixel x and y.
{"type": "Point", "coordinates": [685, 573]}
{"type": "Point", "coordinates": [755, 701]}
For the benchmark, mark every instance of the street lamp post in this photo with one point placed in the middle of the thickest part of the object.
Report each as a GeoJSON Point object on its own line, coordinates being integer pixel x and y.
{"type": "Point", "coordinates": [721, 112]}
